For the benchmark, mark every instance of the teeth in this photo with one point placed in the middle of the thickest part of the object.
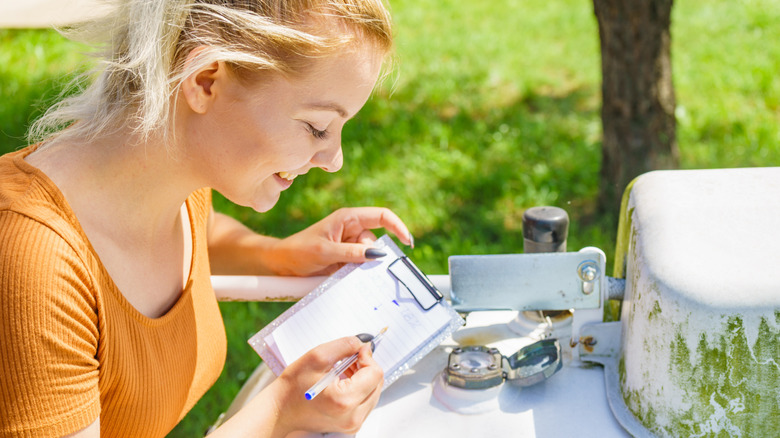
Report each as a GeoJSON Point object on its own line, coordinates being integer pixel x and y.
{"type": "Point", "coordinates": [287, 175]}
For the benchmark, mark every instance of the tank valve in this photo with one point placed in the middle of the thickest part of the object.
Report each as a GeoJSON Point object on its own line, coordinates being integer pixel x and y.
{"type": "Point", "coordinates": [472, 380]}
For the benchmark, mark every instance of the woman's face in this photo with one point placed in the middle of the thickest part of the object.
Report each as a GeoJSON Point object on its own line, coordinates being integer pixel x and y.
{"type": "Point", "coordinates": [253, 140]}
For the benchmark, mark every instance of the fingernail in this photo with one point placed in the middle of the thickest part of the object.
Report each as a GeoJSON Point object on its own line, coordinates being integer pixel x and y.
{"type": "Point", "coordinates": [373, 253]}
{"type": "Point", "coordinates": [411, 240]}
{"type": "Point", "coordinates": [365, 337]}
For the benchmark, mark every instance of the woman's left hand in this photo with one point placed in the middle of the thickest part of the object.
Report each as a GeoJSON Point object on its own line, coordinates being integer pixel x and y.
{"type": "Point", "coordinates": [342, 237]}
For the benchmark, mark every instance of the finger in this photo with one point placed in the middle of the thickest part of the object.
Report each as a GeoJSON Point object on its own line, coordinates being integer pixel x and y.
{"type": "Point", "coordinates": [364, 408]}
{"type": "Point", "coordinates": [352, 252]}
{"type": "Point", "coordinates": [373, 398]}
{"type": "Point", "coordinates": [369, 402]}
{"type": "Point", "coordinates": [363, 382]}
{"type": "Point", "coordinates": [356, 366]}
{"type": "Point", "coordinates": [324, 356]}
{"type": "Point", "coordinates": [366, 237]}
{"type": "Point", "coordinates": [378, 217]}
{"type": "Point", "coordinates": [328, 270]}
{"type": "Point", "coordinates": [365, 355]}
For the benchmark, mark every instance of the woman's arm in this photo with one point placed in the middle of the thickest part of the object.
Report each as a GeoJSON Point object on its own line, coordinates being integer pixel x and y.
{"type": "Point", "coordinates": [234, 249]}
{"type": "Point", "coordinates": [342, 237]}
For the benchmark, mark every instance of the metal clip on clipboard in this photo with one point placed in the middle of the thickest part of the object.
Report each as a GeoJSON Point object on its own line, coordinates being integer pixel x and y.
{"type": "Point", "coordinates": [421, 288]}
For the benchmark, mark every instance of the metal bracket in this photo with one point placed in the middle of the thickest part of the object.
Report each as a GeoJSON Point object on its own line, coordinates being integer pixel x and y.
{"type": "Point", "coordinates": [601, 343]}
{"type": "Point", "coordinates": [599, 340]}
{"type": "Point", "coordinates": [537, 281]}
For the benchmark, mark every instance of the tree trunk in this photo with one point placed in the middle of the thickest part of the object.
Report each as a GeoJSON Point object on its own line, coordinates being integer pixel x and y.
{"type": "Point", "coordinates": [637, 93]}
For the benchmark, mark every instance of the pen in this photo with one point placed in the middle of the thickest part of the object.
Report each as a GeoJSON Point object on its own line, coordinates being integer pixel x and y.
{"type": "Point", "coordinates": [339, 368]}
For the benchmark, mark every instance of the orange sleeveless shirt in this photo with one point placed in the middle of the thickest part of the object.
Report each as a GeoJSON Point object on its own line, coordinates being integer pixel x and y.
{"type": "Point", "coordinates": [72, 348]}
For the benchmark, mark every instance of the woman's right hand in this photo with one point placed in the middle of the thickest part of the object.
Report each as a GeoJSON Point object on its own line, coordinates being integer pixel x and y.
{"type": "Point", "coordinates": [282, 408]}
{"type": "Point", "coordinates": [344, 404]}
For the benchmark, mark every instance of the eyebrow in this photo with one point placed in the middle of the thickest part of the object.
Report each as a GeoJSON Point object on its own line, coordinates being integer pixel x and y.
{"type": "Point", "coordinates": [329, 106]}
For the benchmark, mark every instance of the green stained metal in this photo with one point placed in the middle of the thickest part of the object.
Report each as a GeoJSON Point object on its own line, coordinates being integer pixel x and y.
{"type": "Point", "coordinates": [612, 309]}
{"type": "Point", "coordinates": [729, 387]}
{"type": "Point", "coordinates": [623, 233]}
{"type": "Point", "coordinates": [689, 368]}
{"type": "Point", "coordinates": [680, 360]}
{"type": "Point", "coordinates": [732, 389]}
{"type": "Point", "coordinates": [655, 312]}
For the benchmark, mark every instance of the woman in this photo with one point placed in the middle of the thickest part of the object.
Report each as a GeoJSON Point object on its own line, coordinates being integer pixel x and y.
{"type": "Point", "coordinates": [109, 325]}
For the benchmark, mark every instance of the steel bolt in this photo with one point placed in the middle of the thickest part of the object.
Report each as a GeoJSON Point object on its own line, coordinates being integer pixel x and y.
{"type": "Point", "coordinates": [455, 366]}
{"type": "Point", "coordinates": [589, 273]}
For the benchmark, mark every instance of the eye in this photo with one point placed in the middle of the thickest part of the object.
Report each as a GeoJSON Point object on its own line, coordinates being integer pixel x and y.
{"type": "Point", "coordinates": [316, 133]}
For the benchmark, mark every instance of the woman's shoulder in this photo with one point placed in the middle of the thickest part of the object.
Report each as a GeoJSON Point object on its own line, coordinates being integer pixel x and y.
{"type": "Point", "coordinates": [14, 181]}
{"type": "Point", "coordinates": [38, 231]}
{"type": "Point", "coordinates": [26, 193]}
{"type": "Point", "coordinates": [25, 189]}
{"type": "Point", "coordinates": [40, 249]}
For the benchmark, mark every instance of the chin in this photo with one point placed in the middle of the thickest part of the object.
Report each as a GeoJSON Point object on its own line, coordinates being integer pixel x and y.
{"type": "Point", "coordinates": [263, 205]}
{"type": "Point", "coordinates": [260, 205]}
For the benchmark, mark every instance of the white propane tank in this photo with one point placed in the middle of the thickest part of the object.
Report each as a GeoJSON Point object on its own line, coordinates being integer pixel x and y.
{"type": "Point", "coordinates": [701, 316]}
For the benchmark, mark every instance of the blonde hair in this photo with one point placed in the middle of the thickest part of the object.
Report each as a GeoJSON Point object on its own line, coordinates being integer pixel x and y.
{"type": "Point", "coordinates": [148, 42]}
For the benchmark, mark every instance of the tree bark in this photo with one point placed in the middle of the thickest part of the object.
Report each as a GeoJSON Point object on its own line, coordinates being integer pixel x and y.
{"type": "Point", "coordinates": [639, 128]}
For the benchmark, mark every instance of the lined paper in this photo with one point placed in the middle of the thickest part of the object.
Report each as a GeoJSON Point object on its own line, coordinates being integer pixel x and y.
{"type": "Point", "coordinates": [365, 301]}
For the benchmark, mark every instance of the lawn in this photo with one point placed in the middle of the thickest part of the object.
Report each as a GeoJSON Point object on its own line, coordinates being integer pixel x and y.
{"type": "Point", "coordinates": [493, 108]}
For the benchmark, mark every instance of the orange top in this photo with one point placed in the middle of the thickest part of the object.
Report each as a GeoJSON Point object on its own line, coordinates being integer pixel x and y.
{"type": "Point", "coordinates": [72, 348]}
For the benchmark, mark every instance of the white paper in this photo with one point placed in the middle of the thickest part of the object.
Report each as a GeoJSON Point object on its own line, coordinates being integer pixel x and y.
{"type": "Point", "coordinates": [363, 302]}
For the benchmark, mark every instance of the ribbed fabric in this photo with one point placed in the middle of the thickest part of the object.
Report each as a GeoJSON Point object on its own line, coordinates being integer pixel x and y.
{"type": "Point", "coordinates": [72, 348]}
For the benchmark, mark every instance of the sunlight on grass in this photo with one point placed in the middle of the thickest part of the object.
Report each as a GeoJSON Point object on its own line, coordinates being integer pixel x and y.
{"type": "Point", "coordinates": [34, 67]}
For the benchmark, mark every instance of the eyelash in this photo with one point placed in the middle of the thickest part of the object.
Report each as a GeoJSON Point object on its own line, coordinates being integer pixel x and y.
{"type": "Point", "coordinates": [316, 133]}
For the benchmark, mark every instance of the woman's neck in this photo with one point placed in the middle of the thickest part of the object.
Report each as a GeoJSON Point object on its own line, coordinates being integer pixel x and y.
{"type": "Point", "coordinates": [118, 183]}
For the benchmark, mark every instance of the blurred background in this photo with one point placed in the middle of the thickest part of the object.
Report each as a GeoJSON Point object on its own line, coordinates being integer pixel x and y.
{"type": "Point", "coordinates": [492, 108]}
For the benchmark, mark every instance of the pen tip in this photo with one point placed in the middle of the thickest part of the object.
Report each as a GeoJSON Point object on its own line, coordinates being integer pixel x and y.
{"type": "Point", "coordinates": [383, 330]}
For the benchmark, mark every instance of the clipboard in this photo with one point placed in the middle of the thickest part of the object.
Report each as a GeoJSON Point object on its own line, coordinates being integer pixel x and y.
{"type": "Point", "coordinates": [363, 298]}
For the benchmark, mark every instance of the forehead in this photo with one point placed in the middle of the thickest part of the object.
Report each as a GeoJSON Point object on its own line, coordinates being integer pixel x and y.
{"type": "Point", "coordinates": [357, 61]}
{"type": "Point", "coordinates": [346, 78]}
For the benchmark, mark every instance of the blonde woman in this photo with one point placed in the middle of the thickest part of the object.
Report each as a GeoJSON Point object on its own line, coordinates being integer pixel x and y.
{"type": "Point", "coordinates": [108, 322]}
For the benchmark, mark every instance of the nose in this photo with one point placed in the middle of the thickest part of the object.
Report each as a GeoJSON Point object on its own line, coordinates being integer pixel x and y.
{"type": "Point", "coordinates": [331, 158]}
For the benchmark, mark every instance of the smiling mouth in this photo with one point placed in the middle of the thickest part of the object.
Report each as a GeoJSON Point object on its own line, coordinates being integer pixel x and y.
{"type": "Point", "coordinates": [287, 175]}
{"type": "Point", "coordinates": [285, 179]}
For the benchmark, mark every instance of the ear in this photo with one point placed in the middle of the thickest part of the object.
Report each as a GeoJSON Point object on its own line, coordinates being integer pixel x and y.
{"type": "Point", "coordinates": [200, 87]}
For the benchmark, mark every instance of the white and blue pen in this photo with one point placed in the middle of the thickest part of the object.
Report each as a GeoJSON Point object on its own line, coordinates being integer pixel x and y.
{"type": "Point", "coordinates": [339, 368]}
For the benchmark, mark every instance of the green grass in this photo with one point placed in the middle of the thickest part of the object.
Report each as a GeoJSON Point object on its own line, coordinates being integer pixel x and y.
{"type": "Point", "coordinates": [494, 108]}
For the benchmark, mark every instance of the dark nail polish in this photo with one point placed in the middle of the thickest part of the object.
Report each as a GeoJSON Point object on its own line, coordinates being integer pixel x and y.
{"type": "Point", "coordinates": [365, 337]}
{"type": "Point", "coordinates": [373, 253]}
